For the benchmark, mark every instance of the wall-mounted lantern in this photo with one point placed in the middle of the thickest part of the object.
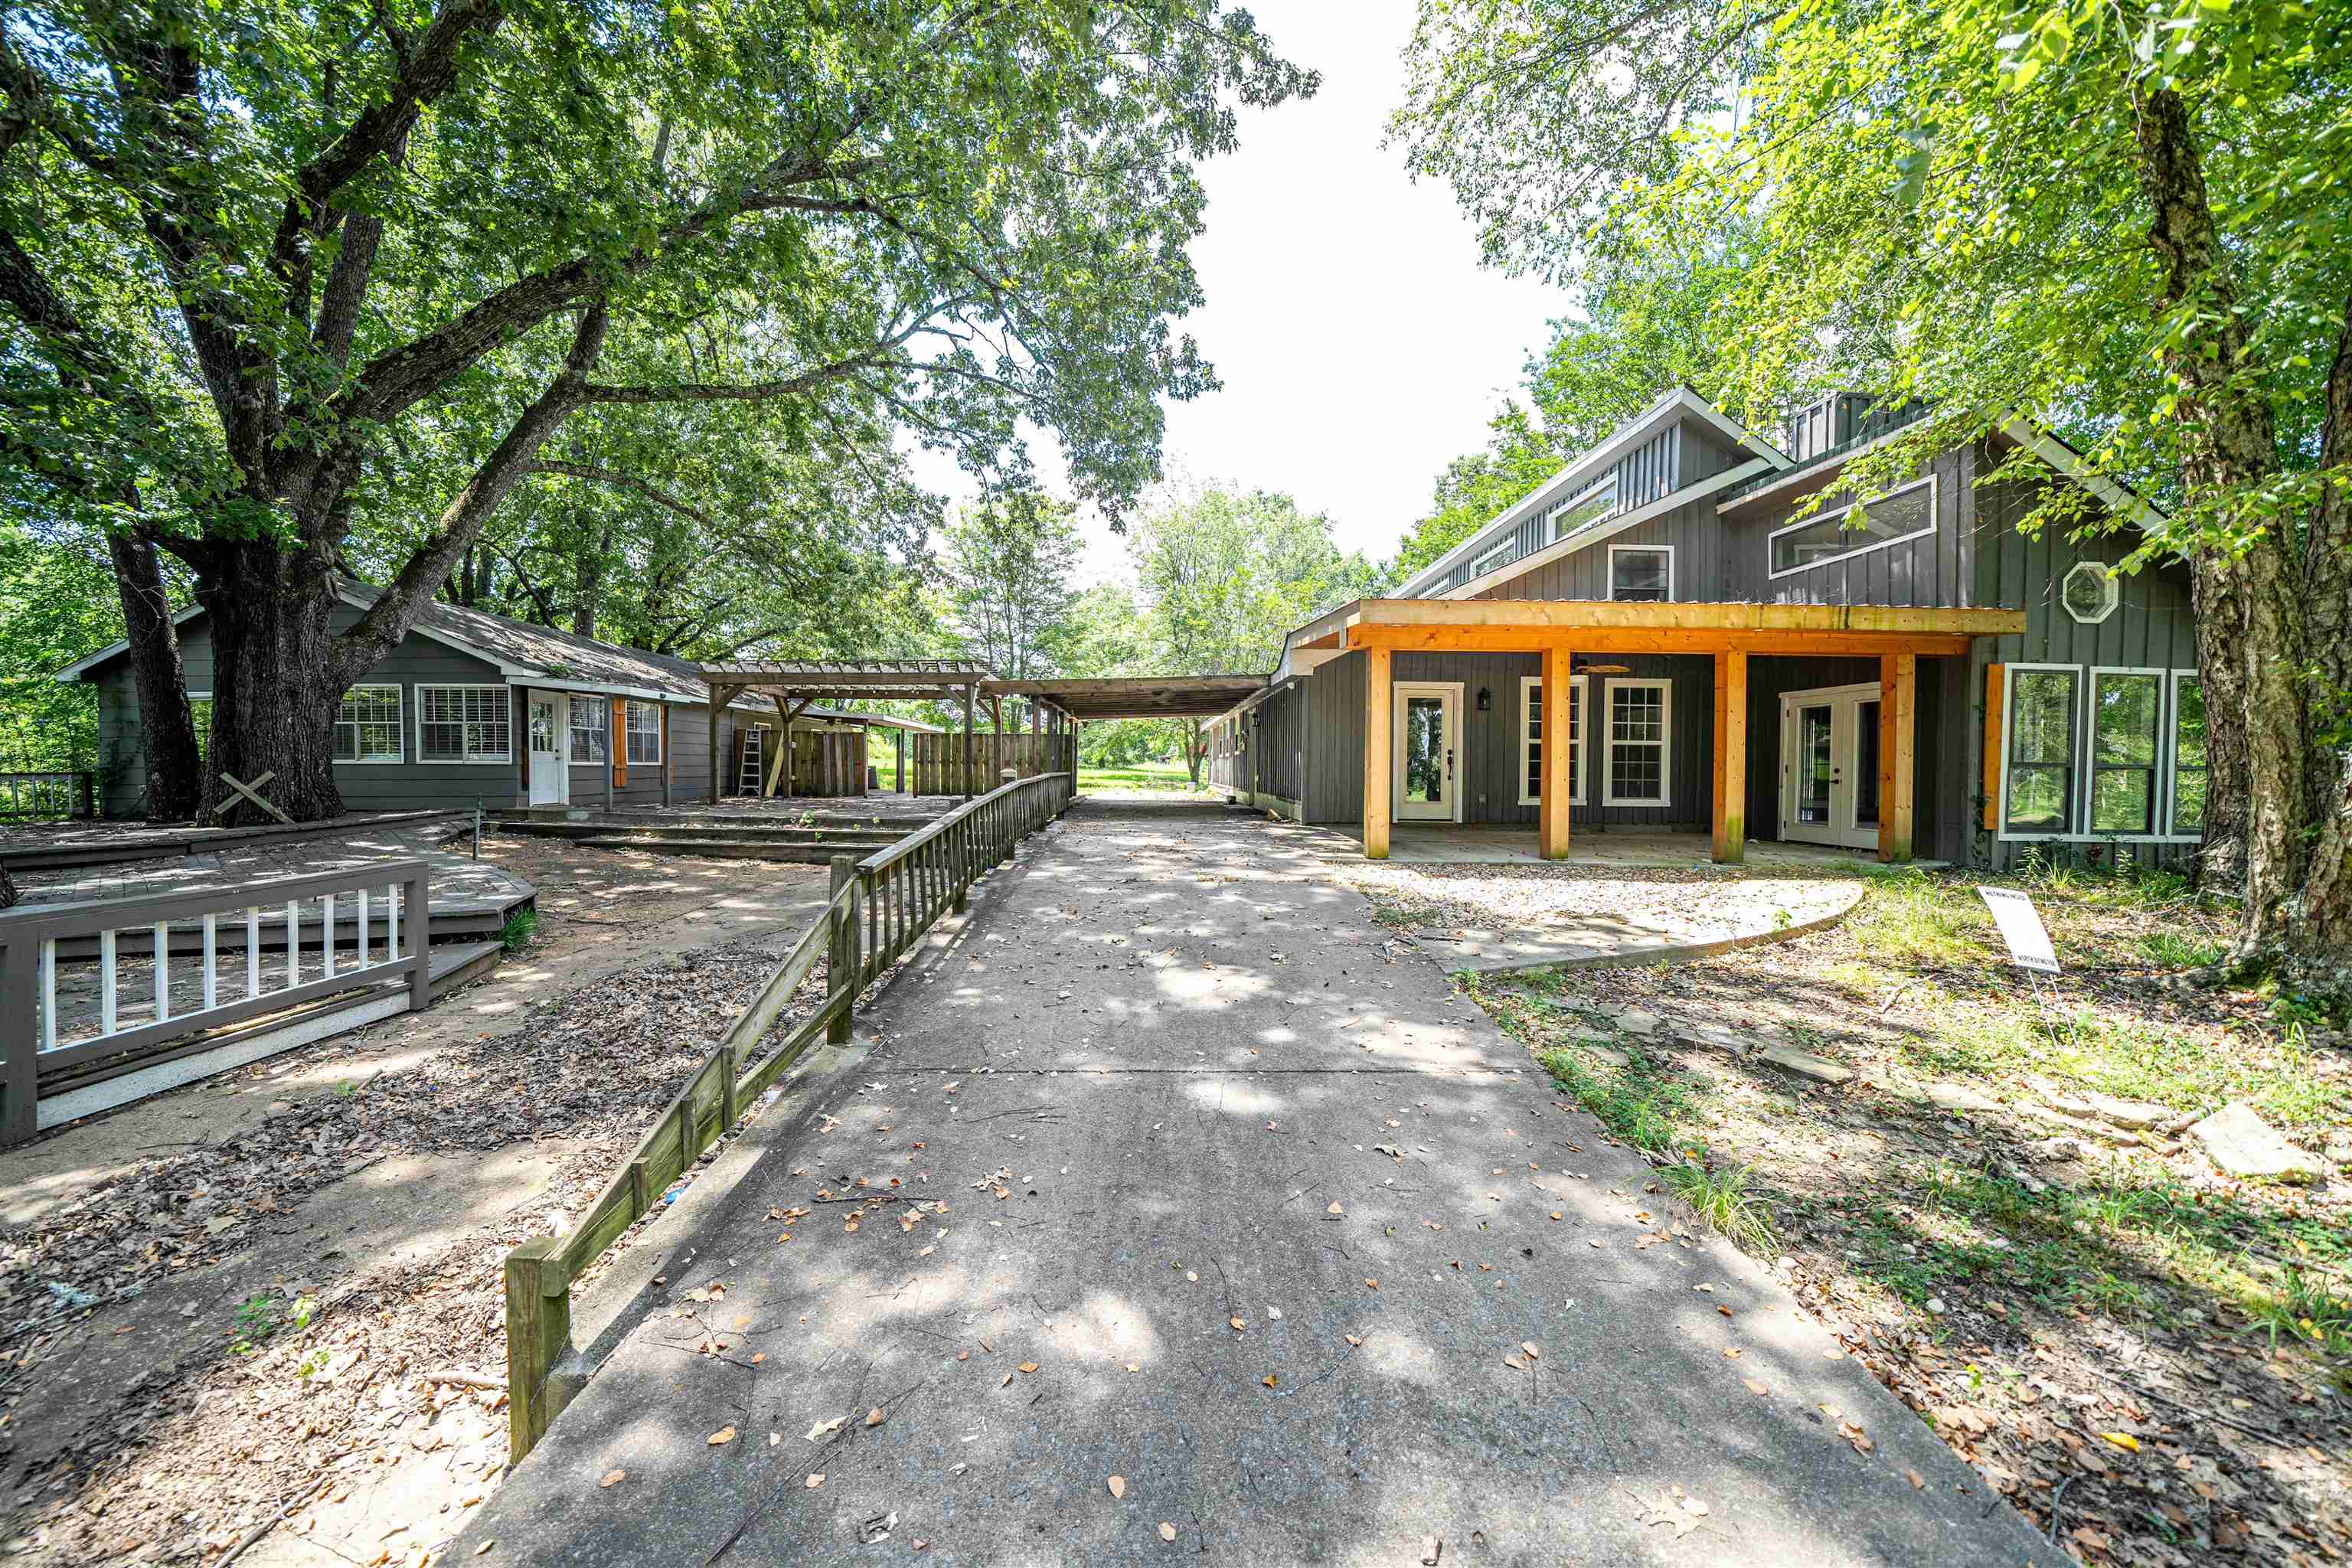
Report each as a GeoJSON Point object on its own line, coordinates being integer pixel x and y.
{"type": "Point", "coordinates": [1486, 701]}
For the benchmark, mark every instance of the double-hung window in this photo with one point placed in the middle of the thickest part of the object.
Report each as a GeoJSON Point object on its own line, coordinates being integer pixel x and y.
{"type": "Point", "coordinates": [369, 727]}
{"type": "Point", "coordinates": [2126, 707]}
{"type": "Point", "coordinates": [644, 721]}
{"type": "Point", "coordinates": [591, 729]}
{"type": "Point", "coordinates": [2188, 796]}
{"type": "Point", "coordinates": [2042, 727]}
{"type": "Point", "coordinates": [1531, 740]}
{"type": "Point", "coordinates": [463, 724]}
{"type": "Point", "coordinates": [1637, 743]}
{"type": "Point", "coordinates": [1642, 574]}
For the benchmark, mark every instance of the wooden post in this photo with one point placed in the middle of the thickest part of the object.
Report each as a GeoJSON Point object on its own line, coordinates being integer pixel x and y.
{"type": "Point", "coordinates": [1379, 756]}
{"type": "Point", "coordinates": [666, 770]}
{"type": "Point", "coordinates": [720, 696]}
{"type": "Point", "coordinates": [971, 702]}
{"type": "Point", "coordinates": [1555, 792]}
{"type": "Point", "coordinates": [539, 1329]}
{"type": "Point", "coordinates": [899, 762]}
{"type": "Point", "coordinates": [19, 1096]}
{"type": "Point", "coordinates": [841, 950]}
{"type": "Point", "coordinates": [1996, 694]}
{"type": "Point", "coordinates": [1898, 696]}
{"type": "Point", "coordinates": [995, 740]}
{"type": "Point", "coordinates": [1730, 757]}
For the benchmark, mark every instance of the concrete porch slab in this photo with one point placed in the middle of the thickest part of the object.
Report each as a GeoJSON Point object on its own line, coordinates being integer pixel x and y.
{"type": "Point", "coordinates": [1457, 844]}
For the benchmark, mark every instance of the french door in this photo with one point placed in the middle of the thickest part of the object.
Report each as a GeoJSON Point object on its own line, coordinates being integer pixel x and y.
{"type": "Point", "coordinates": [1427, 727]}
{"type": "Point", "coordinates": [1829, 766]}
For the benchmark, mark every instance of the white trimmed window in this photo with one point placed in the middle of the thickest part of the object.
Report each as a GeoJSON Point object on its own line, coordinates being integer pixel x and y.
{"type": "Point", "coordinates": [1498, 557]}
{"type": "Point", "coordinates": [2127, 706]}
{"type": "Point", "coordinates": [1637, 743]}
{"type": "Point", "coordinates": [591, 727]}
{"type": "Point", "coordinates": [2042, 729]}
{"type": "Point", "coordinates": [369, 727]}
{"type": "Point", "coordinates": [1642, 574]}
{"type": "Point", "coordinates": [1531, 719]}
{"type": "Point", "coordinates": [1583, 510]}
{"type": "Point", "coordinates": [1855, 529]}
{"type": "Point", "coordinates": [2090, 593]}
{"type": "Point", "coordinates": [643, 733]}
{"type": "Point", "coordinates": [2185, 810]}
{"type": "Point", "coordinates": [465, 724]}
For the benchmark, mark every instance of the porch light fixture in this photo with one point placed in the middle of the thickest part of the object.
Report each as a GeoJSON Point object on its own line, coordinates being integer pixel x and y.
{"type": "Point", "coordinates": [1486, 701]}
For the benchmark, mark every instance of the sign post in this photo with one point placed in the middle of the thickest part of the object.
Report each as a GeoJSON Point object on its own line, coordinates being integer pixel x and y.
{"type": "Point", "coordinates": [2029, 947]}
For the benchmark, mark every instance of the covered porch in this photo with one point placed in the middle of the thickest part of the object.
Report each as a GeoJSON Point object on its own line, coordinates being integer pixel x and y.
{"type": "Point", "coordinates": [1412, 730]}
{"type": "Point", "coordinates": [1491, 844]}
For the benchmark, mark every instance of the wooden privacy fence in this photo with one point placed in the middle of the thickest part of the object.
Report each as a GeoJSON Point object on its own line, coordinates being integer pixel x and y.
{"type": "Point", "coordinates": [53, 797]}
{"type": "Point", "coordinates": [43, 1050]}
{"type": "Point", "coordinates": [940, 768]}
{"type": "Point", "coordinates": [881, 907]}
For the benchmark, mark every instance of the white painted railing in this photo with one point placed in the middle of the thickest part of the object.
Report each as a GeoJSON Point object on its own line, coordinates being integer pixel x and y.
{"type": "Point", "coordinates": [36, 1040]}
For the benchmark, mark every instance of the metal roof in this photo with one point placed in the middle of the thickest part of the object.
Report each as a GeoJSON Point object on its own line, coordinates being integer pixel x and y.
{"type": "Point", "coordinates": [1136, 696]}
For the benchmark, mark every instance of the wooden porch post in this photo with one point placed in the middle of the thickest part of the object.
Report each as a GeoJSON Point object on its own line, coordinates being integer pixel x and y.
{"type": "Point", "coordinates": [1730, 756]}
{"type": "Point", "coordinates": [1898, 700]}
{"type": "Point", "coordinates": [1554, 788]}
{"type": "Point", "coordinates": [898, 761]}
{"type": "Point", "coordinates": [970, 700]}
{"type": "Point", "coordinates": [720, 697]}
{"type": "Point", "coordinates": [1378, 757]}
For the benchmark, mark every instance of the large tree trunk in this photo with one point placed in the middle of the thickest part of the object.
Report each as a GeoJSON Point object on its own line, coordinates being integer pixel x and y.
{"type": "Point", "coordinates": [159, 680]}
{"type": "Point", "coordinates": [276, 695]}
{"type": "Point", "coordinates": [2277, 829]}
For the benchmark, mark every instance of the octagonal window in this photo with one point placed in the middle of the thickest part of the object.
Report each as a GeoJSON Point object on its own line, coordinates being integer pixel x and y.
{"type": "Point", "coordinates": [2090, 593]}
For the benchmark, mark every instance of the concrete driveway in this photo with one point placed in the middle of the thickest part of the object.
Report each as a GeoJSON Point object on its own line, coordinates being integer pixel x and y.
{"type": "Point", "coordinates": [1247, 1242]}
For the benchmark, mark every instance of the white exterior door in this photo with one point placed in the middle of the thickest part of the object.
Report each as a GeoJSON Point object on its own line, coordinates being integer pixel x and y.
{"type": "Point", "coordinates": [1829, 766]}
{"type": "Point", "coordinates": [551, 747]}
{"type": "Point", "coordinates": [1427, 727]}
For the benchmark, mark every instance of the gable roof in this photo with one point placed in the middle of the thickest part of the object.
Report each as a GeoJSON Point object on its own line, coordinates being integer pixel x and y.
{"type": "Point", "coordinates": [541, 656]}
{"type": "Point", "coordinates": [1677, 402]}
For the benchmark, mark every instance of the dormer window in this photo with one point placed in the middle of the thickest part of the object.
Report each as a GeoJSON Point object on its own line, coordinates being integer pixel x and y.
{"type": "Point", "coordinates": [1642, 574]}
{"type": "Point", "coordinates": [1581, 512]}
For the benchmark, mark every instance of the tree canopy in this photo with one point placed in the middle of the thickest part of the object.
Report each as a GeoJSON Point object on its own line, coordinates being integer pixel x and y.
{"type": "Point", "coordinates": [286, 287]}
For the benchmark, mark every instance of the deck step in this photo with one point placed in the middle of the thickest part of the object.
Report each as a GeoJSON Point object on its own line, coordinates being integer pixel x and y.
{"type": "Point", "coordinates": [744, 846]}
{"type": "Point", "coordinates": [762, 832]}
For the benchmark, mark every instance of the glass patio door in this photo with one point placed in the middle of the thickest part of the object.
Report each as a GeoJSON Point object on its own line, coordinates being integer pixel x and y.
{"type": "Point", "coordinates": [1829, 766]}
{"type": "Point", "coordinates": [1428, 745]}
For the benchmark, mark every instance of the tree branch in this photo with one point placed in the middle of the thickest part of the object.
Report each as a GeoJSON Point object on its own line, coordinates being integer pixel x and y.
{"type": "Point", "coordinates": [624, 481]}
{"type": "Point", "coordinates": [388, 620]}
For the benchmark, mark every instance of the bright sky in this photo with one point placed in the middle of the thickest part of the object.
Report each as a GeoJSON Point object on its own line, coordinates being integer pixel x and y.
{"type": "Point", "coordinates": [1361, 345]}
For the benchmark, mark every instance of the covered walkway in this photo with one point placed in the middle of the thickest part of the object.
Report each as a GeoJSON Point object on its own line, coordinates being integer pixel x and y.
{"type": "Point", "coordinates": [1172, 1208]}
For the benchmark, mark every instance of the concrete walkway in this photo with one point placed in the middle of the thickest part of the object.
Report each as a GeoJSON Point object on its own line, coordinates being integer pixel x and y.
{"type": "Point", "coordinates": [1217, 1191]}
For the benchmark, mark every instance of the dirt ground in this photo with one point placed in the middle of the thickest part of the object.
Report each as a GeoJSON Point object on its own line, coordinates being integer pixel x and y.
{"type": "Point", "coordinates": [2152, 1361]}
{"type": "Point", "coordinates": [277, 1255]}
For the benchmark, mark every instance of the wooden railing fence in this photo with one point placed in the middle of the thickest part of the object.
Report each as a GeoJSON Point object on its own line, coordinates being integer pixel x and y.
{"type": "Point", "coordinates": [37, 1043]}
{"type": "Point", "coordinates": [49, 797]}
{"type": "Point", "coordinates": [941, 766]}
{"type": "Point", "coordinates": [881, 907]}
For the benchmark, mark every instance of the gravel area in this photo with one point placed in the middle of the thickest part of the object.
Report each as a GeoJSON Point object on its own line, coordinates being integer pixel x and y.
{"type": "Point", "coordinates": [1550, 895]}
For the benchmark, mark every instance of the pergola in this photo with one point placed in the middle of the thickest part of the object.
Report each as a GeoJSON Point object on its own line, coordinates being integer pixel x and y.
{"type": "Point", "coordinates": [792, 684]}
{"type": "Point", "coordinates": [1137, 696]}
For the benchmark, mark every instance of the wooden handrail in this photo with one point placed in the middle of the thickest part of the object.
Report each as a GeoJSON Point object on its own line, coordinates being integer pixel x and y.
{"type": "Point", "coordinates": [881, 906]}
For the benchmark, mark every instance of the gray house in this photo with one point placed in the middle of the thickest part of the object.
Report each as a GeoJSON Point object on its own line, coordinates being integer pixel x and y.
{"type": "Point", "coordinates": [1654, 639]}
{"type": "Point", "coordinates": [475, 707]}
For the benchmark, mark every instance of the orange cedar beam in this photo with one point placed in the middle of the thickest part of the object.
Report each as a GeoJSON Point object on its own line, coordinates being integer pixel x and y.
{"type": "Point", "coordinates": [1379, 756]}
{"type": "Point", "coordinates": [1553, 790]}
{"type": "Point", "coordinates": [1532, 639]}
{"type": "Point", "coordinates": [1730, 756]}
{"type": "Point", "coordinates": [1898, 696]}
{"type": "Point", "coordinates": [1996, 695]}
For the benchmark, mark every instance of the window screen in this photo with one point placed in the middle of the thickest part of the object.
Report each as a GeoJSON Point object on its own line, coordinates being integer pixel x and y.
{"type": "Point", "coordinates": [2041, 751]}
{"type": "Point", "coordinates": [368, 726]}
{"type": "Point", "coordinates": [463, 724]}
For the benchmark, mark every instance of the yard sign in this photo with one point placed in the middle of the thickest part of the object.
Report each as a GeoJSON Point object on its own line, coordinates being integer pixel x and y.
{"type": "Point", "coordinates": [2020, 927]}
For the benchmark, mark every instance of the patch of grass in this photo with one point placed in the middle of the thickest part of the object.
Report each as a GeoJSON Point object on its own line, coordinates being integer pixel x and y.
{"type": "Point", "coordinates": [517, 930]}
{"type": "Point", "coordinates": [1640, 1110]}
{"type": "Point", "coordinates": [260, 1318]}
{"type": "Point", "coordinates": [1723, 1199]}
{"type": "Point", "coordinates": [2170, 950]}
{"type": "Point", "coordinates": [1139, 776]}
{"type": "Point", "coordinates": [1911, 917]}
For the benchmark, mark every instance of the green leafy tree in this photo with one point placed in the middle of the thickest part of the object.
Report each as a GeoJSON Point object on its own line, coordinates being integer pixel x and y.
{"type": "Point", "coordinates": [246, 252]}
{"type": "Point", "coordinates": [1224, 572]}
{"type": "Point", "coordinates": [2125, 224]}
{"type": "Point", "coordinates": [1009, 560]}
